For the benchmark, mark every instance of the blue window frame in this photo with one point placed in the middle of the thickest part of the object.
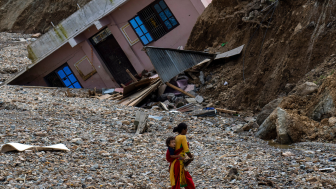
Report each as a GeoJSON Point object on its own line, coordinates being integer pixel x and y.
{"type": "Point", "coordinates": [153, 22]}
{"type": "Point", "coordinates": [141, 30]}
{"type": "Point", "coordinates": [67, 77]}
{"type": "Point", "coordinates": [165, 15]}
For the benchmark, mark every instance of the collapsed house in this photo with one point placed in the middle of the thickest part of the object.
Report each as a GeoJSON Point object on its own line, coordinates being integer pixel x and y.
{"type": "Point", "coordinates": [100, 45]}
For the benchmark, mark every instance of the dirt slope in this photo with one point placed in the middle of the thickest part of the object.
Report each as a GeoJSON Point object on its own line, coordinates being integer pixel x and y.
{"type": "Point", "coordinates": [32, 16]}
{"type": "Point", "coordinates": [300, 37]}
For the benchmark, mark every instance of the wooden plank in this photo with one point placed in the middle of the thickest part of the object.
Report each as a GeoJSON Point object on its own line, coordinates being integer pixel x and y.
{"type": "Point", "coordinates": [131, 75]}
{"type": "Point", "coordinates": [143, 96]}
{"type": "Point", "coordinates": [135, 86]}
{"type": "Point", "coordinates": [178, 89]}
{"type": "Point", "coordinates": [226, 111]}
{"type": "Point", "coordinates": [133, 97]}
{"type": "Point", "coordinates": [104, 97]}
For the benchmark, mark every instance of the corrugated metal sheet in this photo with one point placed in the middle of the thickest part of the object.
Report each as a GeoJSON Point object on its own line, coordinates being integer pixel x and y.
{"type": "Point", "coordinates": [170, 62]}
{"type": "Point", "coordinates": [186, 108]}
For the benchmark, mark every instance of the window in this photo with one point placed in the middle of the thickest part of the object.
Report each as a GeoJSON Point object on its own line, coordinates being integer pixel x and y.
{"type": "Point", "coordinates": [156, 19]}
{"type": "Point", "coordinates": [141, 30]}
{"type": "Point", "coordinates": [63, 77]}
{"type": "Point", "coordinates": [165, 15]}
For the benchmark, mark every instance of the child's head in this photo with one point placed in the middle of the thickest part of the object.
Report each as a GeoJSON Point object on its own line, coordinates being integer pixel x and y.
{"type": "Point", "coordinates": [170, 142]}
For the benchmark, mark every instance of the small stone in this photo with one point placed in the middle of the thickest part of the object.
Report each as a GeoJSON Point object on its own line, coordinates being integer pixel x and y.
{"type": "Point", "coordinates": [199, 99]}
{"type": "Point", "coordinates": [41, 134]}
{"type": "Point", "coordinates": [209, 86]}
{"type": "Point", "coordinates": [287, 154]}
{"type": "Point", "coordinates": [36, 35]}
{"type": "Point", "coordinates": [328, 170]}
{"type": "Point", "coordinates": [191, 100]}
{"type": "Point", "coordinates": [77, 141]}
{"type": "Point", "coordinates": [94, 167]}
{"type": "Point", "coordinates": [125, 122]}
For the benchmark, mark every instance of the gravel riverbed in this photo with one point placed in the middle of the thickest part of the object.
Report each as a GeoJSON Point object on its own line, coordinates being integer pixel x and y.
{"type": "Point", "coordinates": [106, 153]}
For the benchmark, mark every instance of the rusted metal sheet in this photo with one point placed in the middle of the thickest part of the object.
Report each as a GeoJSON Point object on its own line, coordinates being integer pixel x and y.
{"type": "Point", "coordinates": [170, 62]}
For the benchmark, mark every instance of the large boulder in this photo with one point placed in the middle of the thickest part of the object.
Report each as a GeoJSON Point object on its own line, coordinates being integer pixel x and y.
{"type": "Point", "coordinates": [288, 127]}
{"type": "Point", "coordinates": [267, 110]}
{"type": "Point", "coordinates": [275, 126]}
{"type": "Point", "coordinates": [306, 89]}
{"type": "Point", "coordinates": [267, 129]}
{"type": "Point", "coordinates": [282, 123]}
{"type": "Point", "coordinates": [325, 108]}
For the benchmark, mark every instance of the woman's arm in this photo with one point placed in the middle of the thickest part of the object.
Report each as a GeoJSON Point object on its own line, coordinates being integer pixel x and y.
{"type": "Point", "coordinates": [190, 155]}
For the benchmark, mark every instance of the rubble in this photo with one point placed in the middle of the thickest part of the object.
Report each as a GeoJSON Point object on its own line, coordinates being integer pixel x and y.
{"type": "Point", "coordinates": [110, 152]}
{"type": "Point", "coordinates": [13, 54]}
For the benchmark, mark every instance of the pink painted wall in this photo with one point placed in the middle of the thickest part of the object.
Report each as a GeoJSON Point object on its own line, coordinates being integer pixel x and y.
{"type": "Point", "coordinates": [185, 11]}
{"type": "Point", "coordinates": [67, 54]}
{"type": "Point", "coordinates": [206, 2]}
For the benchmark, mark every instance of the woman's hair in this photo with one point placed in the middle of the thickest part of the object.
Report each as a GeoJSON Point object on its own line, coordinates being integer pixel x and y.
{"type": "Point", "coordinates": [168, 140]}
{"type": "Point", "coordinates": [180, 127]}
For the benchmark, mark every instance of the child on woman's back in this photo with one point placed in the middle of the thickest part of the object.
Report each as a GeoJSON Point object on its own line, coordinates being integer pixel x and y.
{"type": "Point", "coordinates": [170, 142]}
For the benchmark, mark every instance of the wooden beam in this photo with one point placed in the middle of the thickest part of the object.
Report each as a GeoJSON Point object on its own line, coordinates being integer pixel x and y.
{"type": "Point", "coordinates": [226, 111]}
{"type": "Point", "coordinates": [131, 75]}
{"type": "Point", "coordinates": [178, 89]}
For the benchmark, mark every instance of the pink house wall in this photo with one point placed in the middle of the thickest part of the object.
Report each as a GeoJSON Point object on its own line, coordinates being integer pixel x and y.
{"type": "Point", "coordinates": [103, 79]}
{"type": "Point", "coordinates": [186, 17]}
{"type": "Point", "coordinates": [206, 2]}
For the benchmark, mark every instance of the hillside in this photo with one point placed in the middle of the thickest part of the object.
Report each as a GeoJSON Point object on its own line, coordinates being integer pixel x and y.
{"type": "Point", "coordinates": [283, 43]}
{"type": "Point", "coordinates": [33, 16]}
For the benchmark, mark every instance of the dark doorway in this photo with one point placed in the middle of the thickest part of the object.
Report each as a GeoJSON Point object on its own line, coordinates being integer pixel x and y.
{"type": "Point", "coordinates": [113, 56]}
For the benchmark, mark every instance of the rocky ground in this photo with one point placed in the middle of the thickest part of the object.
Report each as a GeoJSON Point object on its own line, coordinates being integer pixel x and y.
{"type": "Point", "coordinates": [13, 54]}
{"type": "Point", "coordinates": [105, 152]}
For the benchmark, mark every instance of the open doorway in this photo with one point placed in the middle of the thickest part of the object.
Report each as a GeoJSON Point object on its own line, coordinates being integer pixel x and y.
{"type": "Point", "coordinates": [113, 56]}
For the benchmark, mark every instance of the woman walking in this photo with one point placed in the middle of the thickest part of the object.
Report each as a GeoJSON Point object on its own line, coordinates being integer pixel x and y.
{"type": "Point", "coordinates": [179, 177]}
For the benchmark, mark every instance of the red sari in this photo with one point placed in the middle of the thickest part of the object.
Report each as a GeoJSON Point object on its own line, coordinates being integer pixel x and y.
{"type": "Point", "coordinates": [188, 182]}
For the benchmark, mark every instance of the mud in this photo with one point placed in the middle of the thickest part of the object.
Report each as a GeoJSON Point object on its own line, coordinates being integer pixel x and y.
{"type": "Point", "coordinates": [300, 40]}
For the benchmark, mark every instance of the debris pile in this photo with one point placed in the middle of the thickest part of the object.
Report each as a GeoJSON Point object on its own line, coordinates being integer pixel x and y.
{"type": "Point", "coordinates": [165, 90]}
{"type": "Point", "coordinates": [307, 114]}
